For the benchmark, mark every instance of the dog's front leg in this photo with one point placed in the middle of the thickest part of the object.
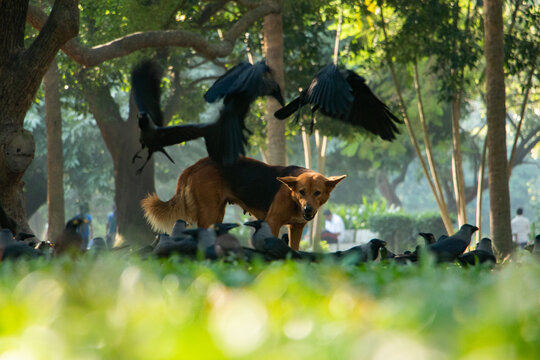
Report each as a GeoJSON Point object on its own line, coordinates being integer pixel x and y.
{"type": "Point", "coordinates": [295, 235]}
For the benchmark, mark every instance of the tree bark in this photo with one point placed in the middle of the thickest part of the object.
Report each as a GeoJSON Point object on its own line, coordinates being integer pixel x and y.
{"type": "Point", "coordinates": [499, 214]}
{"type": "Point", "coordinates": [457, 162]}
{"type": "Point", "coordinates": [21, 72]}
{"type": "Point", "coordinates": [55, 156]}
{"type": "Point", "coordinates": [121, 138]}
{"type": "Point", "coordinates": [273, 50]}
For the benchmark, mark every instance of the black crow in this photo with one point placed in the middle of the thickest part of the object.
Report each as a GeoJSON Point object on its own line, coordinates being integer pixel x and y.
{"type": "Point", "coordinates": [344, 95]}
{"type": "Point", "coordinates": [226, 244]}
{"type": "Point", "coordinates": [145, 81]}
{"type": "Point", "coordinates": [239, 87]}
{"type": "Point", "coordinates": [178, 229]}
{"type": "Point", "coordinates": [70, 241]}
{"type": "Point", "coordinates": [264, 241]}
{"type": "Point", "coordinates": [361, 253]}
{"type": "Point", "coordinates": [428, 237]}
{"type": "Point", "coordinates": [386, 253]}
{"type": "Point", "coordinates": [442, 237]}
{"type": "Point", "coordinates": [204, 239]}
{"type": "Point", "coordinates": [448, 249]}
{"type": "Point", "coordinates": [536, 248]}
{"type": "Point", "coordinates": [166, 247]}
{"type": "Point", "coordinates": [225, 139]}
{"type": "Point", "coordinates": [482, 254]}
{"type": "Point", "coordinates": [18, 249]}
{"type": "Point", "coordinates": [99, 244]}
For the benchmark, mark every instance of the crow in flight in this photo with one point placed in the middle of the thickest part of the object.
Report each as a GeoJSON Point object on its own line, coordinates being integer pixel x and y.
{"type": "Point", "coordinates": [225, 138]}
{"type": "Point", "coordinates": [344, 95]}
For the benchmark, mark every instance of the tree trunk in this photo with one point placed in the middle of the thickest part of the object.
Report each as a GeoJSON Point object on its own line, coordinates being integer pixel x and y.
{"type": "Point", "coordinates": [499, 214]}
{"type": "Point", "coordinates": [387, 190]}
{"type": "Point", "coordinates": [21, 72]}
{"type": "Point", "coordinates": [273, 50]}
{"type": "Point", "coordinates": [55, 157]}
{"type": "Point", "coordinates": [130, 189]}
{"type": "Point", "coordinates": [457, 162]}
{"type": "Point", "coordinates": [320, 144]}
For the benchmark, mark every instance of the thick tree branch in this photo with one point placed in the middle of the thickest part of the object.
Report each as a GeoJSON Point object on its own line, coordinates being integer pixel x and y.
{"type": "Point", "coordinates": [12, 31]}
{"type": "Point", "coordinates": [60, 26]}
{"type": "Point", "coordinates": [156, 39]}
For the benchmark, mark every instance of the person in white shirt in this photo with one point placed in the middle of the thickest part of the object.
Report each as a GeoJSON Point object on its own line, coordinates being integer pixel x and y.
{"type": "Point", "coordinates": [334, 227]}
{"type": "Point", "coordinates": [520, 229]}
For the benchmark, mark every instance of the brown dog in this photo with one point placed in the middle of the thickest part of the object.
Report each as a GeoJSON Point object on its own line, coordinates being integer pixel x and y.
{"type": "Point", "coordinates": [280, 195]}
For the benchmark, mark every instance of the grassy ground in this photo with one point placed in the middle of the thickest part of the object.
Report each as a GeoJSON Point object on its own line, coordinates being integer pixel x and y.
{"type": "Point", "coordinates": [125, 308]}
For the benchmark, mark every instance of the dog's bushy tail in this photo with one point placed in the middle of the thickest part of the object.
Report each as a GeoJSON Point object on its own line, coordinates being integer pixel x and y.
{"type": "Point", "coordinates": [162, 215]}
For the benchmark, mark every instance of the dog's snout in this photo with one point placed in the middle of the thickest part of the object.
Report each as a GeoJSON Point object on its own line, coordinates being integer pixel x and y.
{"type": "Point", "coordinates": [308, 210]}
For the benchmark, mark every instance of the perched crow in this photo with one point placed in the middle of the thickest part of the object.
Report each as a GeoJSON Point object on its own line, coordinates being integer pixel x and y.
{"type": "Point", "coordinates": [428, 237]}
{"type": "Point", "coordinates": [408, 256]}
{"type": "Point", "coordinates": [98, 244]}
{"type": "Point", "coordinates": [361, 253]}
{"type": "Point", "coordinates": [6, 237]}
{"type": "Point", "coordinates": [166, 247]}
{"type": "Point", "coordinates": [536, 249]}
{"type": "Point", "coordinates": [70, 241]}
{"type": "Point", "coordinates": [448, 249]}
{"type": "Point", "coordinates": [13, 249]}
{"type": "Point", "coordinates": [226, 244]}
{"type": "Point", "coordinates": [262, 231]}
{"type": "Point", "coordinates": [442, 237]}
{"type": "Point", "coordinates": [386, 253]}
{"type": "Point", "coordinates": [482, 254]}
{"type": "Point", "coordinates": [264, 241]}
{"type": "Point", "coordinates": [178, 229]}
{"type": "Point", "coordinates": [225, 138]}
{"type": "Point", "coordinates": [344, 95]}
{"type": "Point", "coordinates": [204, 239]}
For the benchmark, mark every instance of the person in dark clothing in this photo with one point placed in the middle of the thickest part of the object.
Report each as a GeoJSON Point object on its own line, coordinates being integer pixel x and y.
{"type": "Point", "coordinates": [110, 231]}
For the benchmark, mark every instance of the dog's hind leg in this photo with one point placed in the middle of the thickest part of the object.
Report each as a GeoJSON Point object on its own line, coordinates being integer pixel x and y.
{"type": "Point", "coordinates": [211, 214]}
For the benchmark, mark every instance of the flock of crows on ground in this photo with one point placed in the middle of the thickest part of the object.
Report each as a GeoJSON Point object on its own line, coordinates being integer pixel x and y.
{"type": "Point", "coordinates": [216, 243]}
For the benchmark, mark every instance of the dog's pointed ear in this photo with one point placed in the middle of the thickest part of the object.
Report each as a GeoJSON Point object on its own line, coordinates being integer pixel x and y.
{"type": "Point", "coordinates": [289, 181]}
{"type": "Point", "coordinates": [332, 181]}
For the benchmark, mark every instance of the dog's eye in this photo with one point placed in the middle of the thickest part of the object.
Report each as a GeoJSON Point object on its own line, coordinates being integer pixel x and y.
{"type": "Point", "coordinates": [302, 192]}
{"type": "Point", "coordinates": [317, 193]}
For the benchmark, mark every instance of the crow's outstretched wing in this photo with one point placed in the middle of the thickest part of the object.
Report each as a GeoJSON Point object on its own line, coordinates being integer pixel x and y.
{"type": "Point", "coordinates": [239, 87]}
{"type": "Point", "coordinates": [228, 82]}
{"type": "Point", "coordinates": [344, 95]}
{"type": "Point", "coordinates": [368, 111]}
{"type": "Point", "coordinates": [330, 93]}
{"type": "Point", "coordinates": [172, 135]}
{"type": "Point", "coordinates": [247, 80]}
{"type": "Point", "coordinates": [145, 81]}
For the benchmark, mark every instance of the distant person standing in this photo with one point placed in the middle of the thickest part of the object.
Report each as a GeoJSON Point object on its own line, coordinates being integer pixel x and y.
{"type": "Point", "coordinates": [520, 229]}
{"type": "Point", "coordinates": [334, 228]}
{"type": "Point", "coordinates": [87, 228]}
{"type": "Point", "coordinates": [111, 228]}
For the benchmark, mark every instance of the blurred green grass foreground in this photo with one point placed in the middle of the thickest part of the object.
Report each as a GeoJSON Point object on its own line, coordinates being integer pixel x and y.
{"type": "Point", "coordinates": [111, 307]}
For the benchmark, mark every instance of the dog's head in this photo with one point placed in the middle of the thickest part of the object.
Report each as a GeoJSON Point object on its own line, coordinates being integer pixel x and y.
{"type": "Point", "coordinates": [310, 190]}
